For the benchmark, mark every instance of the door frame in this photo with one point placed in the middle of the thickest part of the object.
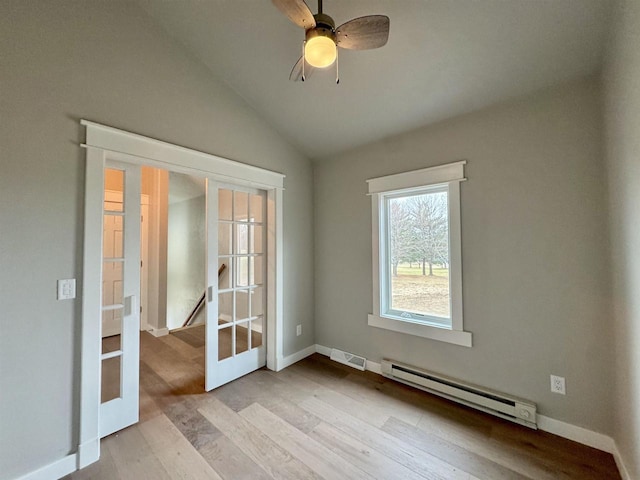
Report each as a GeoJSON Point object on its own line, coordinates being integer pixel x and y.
{"type": "Point", "coordinates": [107, 143]}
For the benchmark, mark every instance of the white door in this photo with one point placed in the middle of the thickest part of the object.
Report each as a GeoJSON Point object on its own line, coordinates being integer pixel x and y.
{"type": "Point", "coordinates": [236, 264]}
{"type": "Point", "coordinates": [120, 298]}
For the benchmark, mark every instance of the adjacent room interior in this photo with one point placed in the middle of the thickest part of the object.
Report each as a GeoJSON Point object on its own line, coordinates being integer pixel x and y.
{"type": "Point", "coordinates": [410, 252]}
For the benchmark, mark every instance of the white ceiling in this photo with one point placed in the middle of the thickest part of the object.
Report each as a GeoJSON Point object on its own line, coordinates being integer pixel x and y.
{"type": "Point", "coordinates": [444, 58]}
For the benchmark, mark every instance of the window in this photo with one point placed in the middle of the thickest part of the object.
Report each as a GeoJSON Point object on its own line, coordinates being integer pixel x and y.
{"type": "Point", "coordinates": [417, 271]}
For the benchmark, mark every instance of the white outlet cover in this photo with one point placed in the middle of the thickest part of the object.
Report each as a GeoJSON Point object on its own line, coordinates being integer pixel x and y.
{"type": "Point", "coordinates": [558, 385]}
{"type": "Point", "coordinates": [66, 289]}
{"type": "Point", "coordinates": [299, 330]}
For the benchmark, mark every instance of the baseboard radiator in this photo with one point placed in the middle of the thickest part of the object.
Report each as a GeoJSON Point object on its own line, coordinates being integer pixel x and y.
{"type": "Point", "coordinates": [504, 406]}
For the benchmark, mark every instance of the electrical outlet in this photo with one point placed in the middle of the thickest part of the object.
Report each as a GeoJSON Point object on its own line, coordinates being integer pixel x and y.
{"type": "Point", "coordinates": [66, 289]}
{"type": "Point", "coordinates": [298, 330]}
{"type": "Point", "coordinates": [558, 385]}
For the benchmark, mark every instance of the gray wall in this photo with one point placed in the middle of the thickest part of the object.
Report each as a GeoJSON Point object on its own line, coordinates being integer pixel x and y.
{"type": "Point", "coordinates": [534, 247]}
{"type": "Point", "coordinates": [622, 120]}
{"type": "Point", "coordinates": [107, 62]}
{"type": "Point", "coordinates": [186, 244]}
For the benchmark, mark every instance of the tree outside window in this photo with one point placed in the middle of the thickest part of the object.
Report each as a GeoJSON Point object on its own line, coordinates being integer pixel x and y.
{"type": "Point", "coordinates": [419, 253]}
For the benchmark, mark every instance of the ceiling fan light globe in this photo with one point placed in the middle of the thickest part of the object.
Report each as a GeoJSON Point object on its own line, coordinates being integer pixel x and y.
{"type": "Point", "coordinates": [320, 51]}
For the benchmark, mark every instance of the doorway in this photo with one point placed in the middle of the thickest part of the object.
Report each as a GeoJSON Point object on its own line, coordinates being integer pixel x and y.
{"type": "Point", "coordinates": [254, 326]}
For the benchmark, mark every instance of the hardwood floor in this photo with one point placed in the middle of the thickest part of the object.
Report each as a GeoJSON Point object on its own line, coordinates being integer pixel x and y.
{"type": "Point", "coordinates": [318, 419]}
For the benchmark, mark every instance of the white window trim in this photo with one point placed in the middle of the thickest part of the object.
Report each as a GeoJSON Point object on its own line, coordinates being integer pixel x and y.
{"type": "Point", "coordinates": [451, 175]}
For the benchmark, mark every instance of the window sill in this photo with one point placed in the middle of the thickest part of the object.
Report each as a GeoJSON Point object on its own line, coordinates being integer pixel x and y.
{"type": "Point", "coordinates": [457, 337]}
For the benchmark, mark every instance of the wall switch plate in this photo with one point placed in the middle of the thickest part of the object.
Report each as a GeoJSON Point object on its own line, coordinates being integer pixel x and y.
{"type": "Point", "coordinates": [558, 385]}
{"type": "Point", "coordinates": [298, 330]}
{"type": "Point", "coordinates": [66, 289]}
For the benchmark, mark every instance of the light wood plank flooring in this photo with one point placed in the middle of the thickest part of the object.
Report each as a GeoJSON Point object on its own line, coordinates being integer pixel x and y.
{"type": "Point", "coordinates": [318, 419]}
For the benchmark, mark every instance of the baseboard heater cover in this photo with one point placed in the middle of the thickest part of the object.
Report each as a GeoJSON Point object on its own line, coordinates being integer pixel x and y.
{"type": "Point", "coordinates": [510, 408]}
{"type": "Point", "coordinates": [347, 358]}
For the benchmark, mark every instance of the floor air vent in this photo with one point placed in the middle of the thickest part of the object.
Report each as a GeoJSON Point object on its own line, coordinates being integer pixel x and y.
{"type": "Point", "coordinates": [504, 406]}
{"type": "Point", "coordinates": [348, 359]}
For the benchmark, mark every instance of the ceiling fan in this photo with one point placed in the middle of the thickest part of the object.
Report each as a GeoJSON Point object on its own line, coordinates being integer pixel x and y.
{"type": "Point", "coordinates": [322, 38]}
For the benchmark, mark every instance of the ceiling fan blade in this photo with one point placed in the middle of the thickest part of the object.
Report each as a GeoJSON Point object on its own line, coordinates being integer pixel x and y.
{"type": "Point", "coordinates": [297, 11]}
{"type": "Point", "coordinates": [363, 33]}
{"type": "Point", "coordinates": [296, 71]}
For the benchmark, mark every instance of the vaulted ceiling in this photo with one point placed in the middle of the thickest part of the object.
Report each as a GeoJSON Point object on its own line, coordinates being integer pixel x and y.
{"type": "Point", "coordinates": [443, 58]}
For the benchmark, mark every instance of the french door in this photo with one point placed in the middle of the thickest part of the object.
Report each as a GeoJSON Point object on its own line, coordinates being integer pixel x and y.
{"type": "Point", "coordinates": [120, 311]}
{"type": "Point", "coordinates": [236, 293]}
{"type": "Point", "coordinates": [118, 407]}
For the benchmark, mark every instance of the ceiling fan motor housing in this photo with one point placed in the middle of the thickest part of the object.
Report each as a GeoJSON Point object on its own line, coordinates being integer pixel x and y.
{"type": "Point", "coordinates": [325, 27]}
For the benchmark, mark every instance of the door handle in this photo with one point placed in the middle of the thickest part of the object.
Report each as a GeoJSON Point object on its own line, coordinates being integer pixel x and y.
{"type": "Point", "coordinates": [129, 305]}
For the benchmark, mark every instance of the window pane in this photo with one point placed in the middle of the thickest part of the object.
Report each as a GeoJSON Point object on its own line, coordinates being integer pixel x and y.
{"type": "Point", "coordinates": [242, 239]}
{"type": "Point", "coordinates": [256, 333]}
{"type": "Point", "coordinates": [224, 204]}
{"type": "Point", "coordinates": [418, 263]}
{"type": "Point", "coordinates": [242, 271]}
{"type": "Point", "coordinates": [113, 188]}
{"type": "Point", "coordinates": [242, 337]}
{"type": "Point", "coordinates": [225, 274]}
{"type": "Point", "coordinates": [225, 307]}
{"type": "Point", "coordinates": [240, 206]}
{"type": "Point", "coordinates": [111, 344]}
{"type": "Point", "coordinates": [256, 277]}
{"type": "Point", "coordinates": [112, 283]}
{"type": "Point", "coordinates": [256, 208]}
{"type": "Point", "coordinates": [112, 236]}
{"type": "Point", "coordinates": [225, 342]}
{"type": "Point", "coordinates": [256, 239]}
{"type": "Point", "coordinates": [225, 237]}
{"type": "Point", "coordinates": [257, 301]}
{"type": "Point", "coordinates": [110, 379]}
{"type": "Point", "coordinates": [242, 304]}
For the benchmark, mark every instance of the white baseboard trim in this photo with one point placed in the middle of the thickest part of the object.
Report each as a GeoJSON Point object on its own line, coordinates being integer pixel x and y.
{"type": "Point", "coordinates": [296, 357]}
{"type": "Point", "coordinates": [577, 434]}
{"type": "Point", "coordinates": [57, 469]}
{"type": "Point", "coordinates": [158, 332]}
{"type": "Point", "coordinates": [322, 350]}
{"type": "Point", "coordinates": [585, 437]}
{"type": "Point", "coordinates": [547, 424]}
{"type": "Point", "coordinates": [624, 473]}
